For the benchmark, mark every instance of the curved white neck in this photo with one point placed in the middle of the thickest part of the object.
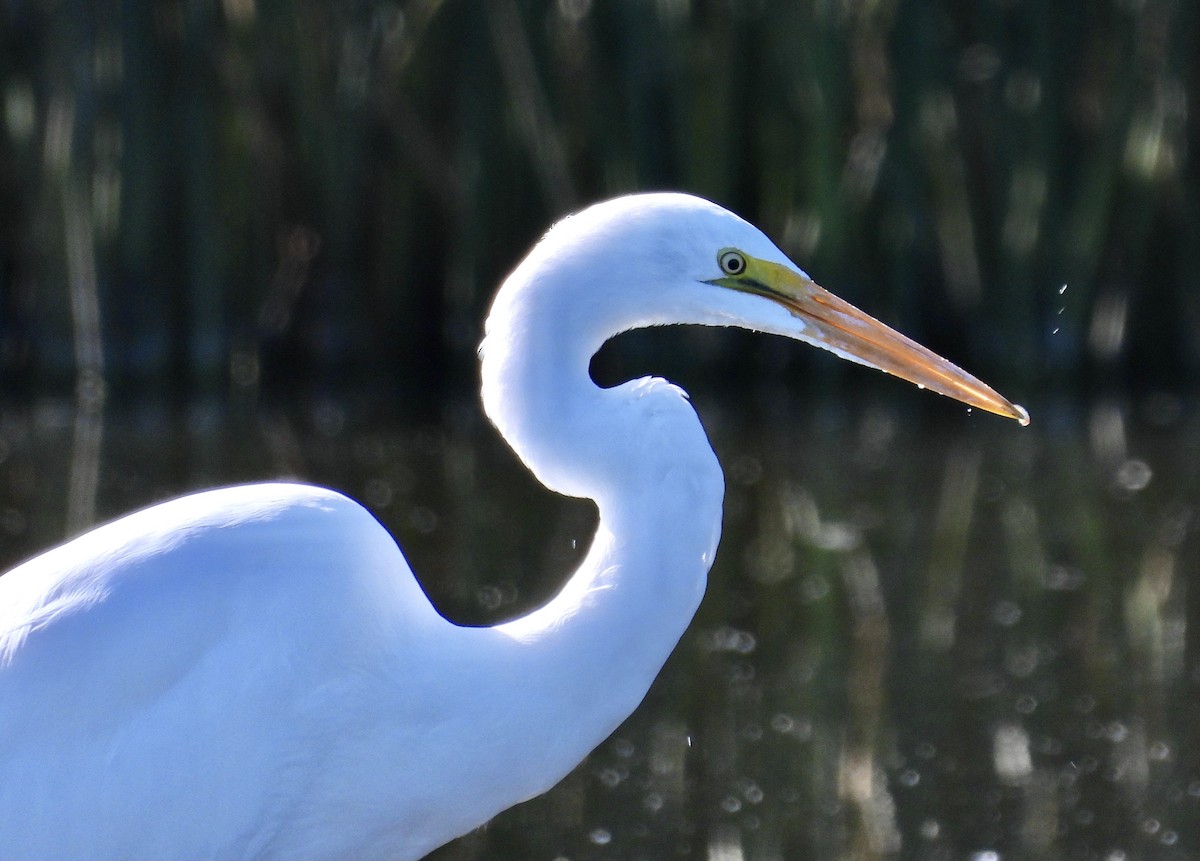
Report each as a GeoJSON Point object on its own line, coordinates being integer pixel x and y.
{"type": "Point", "coordinates": [639, 451]}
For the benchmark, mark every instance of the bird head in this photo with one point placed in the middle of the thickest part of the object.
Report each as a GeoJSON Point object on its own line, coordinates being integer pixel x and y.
{"type": "Point", "coordinates": [668, 258]}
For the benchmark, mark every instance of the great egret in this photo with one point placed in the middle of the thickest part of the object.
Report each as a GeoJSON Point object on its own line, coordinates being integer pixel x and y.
{"type": "Point", "coordinates": [254, 672]}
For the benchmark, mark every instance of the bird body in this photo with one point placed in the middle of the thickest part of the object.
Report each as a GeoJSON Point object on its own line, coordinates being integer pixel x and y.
{"type": "Point", "coordinates": [254, 672]}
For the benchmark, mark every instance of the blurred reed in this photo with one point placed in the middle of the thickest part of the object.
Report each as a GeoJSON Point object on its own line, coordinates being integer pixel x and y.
{"type": "Point", "coordinates": [302, 199]}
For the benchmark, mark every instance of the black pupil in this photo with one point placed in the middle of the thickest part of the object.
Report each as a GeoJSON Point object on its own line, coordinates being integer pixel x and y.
{"type": "Point", "coordinates": [733, 263]}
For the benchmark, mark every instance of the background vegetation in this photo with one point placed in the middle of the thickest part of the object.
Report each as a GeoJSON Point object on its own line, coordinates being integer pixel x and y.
{"type": "Point", "coordinates": [964, 640]}
{"type": "Point", "coordinates": [249, 199]}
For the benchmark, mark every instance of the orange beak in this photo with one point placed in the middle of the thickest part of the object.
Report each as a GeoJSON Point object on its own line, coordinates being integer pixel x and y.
{"type": "Point", "coordinates": [837, 325]}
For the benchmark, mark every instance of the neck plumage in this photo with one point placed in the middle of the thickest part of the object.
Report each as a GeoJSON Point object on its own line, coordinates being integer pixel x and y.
{"type": "Point", "coordinates": [639, 451]}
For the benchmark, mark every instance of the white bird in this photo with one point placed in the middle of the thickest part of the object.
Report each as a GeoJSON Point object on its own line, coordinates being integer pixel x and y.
{"type": "Point", "coordinates": [254, 672]}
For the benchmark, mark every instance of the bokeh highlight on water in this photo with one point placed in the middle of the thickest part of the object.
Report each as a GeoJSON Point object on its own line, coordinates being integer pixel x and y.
{"type": "Point", "coordinates": [934, 637]}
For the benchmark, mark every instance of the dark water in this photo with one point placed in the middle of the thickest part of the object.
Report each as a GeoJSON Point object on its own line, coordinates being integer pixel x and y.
{"type": "Point", "coordinates": [923, 638]}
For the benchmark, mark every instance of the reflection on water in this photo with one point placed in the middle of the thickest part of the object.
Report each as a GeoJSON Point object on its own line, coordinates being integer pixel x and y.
{"type": "Point", "coordinates": [952, 639]}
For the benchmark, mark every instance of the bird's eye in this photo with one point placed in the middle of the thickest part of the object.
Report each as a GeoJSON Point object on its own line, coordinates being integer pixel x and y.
{"type": "Point", "coordinates": [732, 262]}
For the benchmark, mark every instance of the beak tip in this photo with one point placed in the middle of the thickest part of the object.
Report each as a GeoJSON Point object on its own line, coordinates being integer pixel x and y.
{"type": "Point", "coordinates": [1021, 415]}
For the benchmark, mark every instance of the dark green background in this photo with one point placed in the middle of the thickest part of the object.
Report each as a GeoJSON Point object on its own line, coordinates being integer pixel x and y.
{"type": "Point", "coordinates": [267, 199]}
{"type": "Point", "coordinates": [248, 240]}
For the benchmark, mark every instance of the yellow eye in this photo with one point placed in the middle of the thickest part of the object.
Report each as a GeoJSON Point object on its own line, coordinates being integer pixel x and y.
{"type": "Point", "coordinates": [732, 262]}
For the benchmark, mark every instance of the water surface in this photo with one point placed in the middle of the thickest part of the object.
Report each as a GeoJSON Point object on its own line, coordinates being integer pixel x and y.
{"type": "Point", "coordinates": [923, 638]}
